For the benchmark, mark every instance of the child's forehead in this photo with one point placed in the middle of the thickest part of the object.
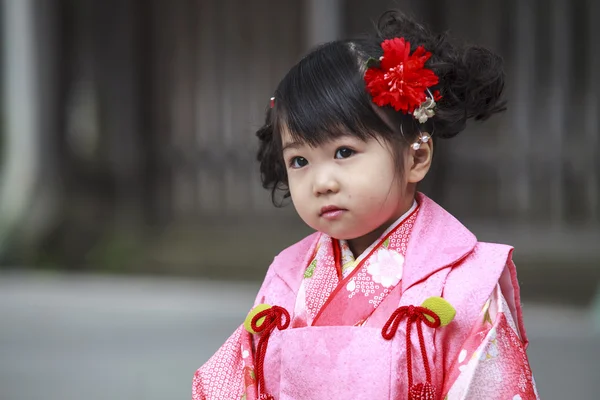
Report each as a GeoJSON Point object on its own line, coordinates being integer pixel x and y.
{"type": "Point", "coordinates": [289, 139]}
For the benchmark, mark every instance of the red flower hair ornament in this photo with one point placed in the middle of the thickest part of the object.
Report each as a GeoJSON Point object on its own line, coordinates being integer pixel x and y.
{"type": "Point", "coordinates": [402, 81]}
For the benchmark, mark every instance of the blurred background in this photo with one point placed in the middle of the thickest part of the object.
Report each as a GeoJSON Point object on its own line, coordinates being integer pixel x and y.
{"type": "Point", "coordinates": [134, 231]}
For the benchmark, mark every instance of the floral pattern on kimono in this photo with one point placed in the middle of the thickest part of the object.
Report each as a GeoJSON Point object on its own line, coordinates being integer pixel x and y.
{"type": "Point", "coordinates": [493, 363]}
{"type": "Point", "coordinates": [348, 260]}
{"type": "Point", "coordinates": [234, 359]}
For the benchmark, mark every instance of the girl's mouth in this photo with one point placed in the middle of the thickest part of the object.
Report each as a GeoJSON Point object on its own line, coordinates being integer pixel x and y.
{"type": "Point", "coordinates": [331, 212]}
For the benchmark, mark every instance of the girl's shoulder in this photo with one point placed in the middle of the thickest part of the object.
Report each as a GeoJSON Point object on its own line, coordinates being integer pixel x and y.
{"type": "Point", "coordinates": [484, 266]}
{"type": "Point", "coordinates": [298, 249]}
{"type": "Point", "coordinates": [471, 282]}
{"type": "Point", "coordinates": [285, 273]}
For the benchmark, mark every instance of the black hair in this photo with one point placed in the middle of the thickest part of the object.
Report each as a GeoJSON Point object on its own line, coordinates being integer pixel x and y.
{"type": "Point", "coordinates": [324, 95]}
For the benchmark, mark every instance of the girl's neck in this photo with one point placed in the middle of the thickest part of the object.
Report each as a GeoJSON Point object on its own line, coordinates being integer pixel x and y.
{"type": "Point", "coordinates": [360, 244]}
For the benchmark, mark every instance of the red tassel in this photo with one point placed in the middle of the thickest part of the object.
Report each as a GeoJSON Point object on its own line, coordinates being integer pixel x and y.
{"type": "Point", "coordinates": [422, 391]}
{"type": "Point", "coordinates": [269, 319]}
{"type": "Point", "coordinates": [418, 315]}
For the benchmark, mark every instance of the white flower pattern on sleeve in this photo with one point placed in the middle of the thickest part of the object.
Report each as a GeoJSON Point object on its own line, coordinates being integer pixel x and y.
{"type": "Point", "coordinates": [386, 267]}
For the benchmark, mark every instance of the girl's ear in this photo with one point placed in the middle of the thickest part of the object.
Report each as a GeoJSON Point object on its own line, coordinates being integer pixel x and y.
{"type": "Point", "coordinates": [419, 161]}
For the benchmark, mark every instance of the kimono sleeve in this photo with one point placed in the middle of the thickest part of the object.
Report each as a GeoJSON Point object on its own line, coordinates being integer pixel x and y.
{"type": "Point", "coordinates": [229, 373]}
{"type": "Point", "coordinates": [493, 363]}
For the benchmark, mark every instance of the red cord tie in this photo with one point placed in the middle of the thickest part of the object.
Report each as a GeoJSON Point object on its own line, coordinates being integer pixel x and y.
{"type": "Point", "coordinates": [418, 315]}
{"type": "Point", "coordinates": [263, 323]}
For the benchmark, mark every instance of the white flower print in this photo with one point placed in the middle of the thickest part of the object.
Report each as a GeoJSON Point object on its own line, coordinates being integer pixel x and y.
{"type": "Point", "coordinates": [386, 267]}
{"type": "Point", "coordinates": [351, 286]}
{"type": "Point", "coordinates": [491, 350]}
{"type": "Point", "coordinates": [462, 355]}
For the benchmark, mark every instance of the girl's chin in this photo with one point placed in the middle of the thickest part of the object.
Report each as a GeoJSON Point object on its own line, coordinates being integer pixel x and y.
{"type": "Point", "coordinates": [339, 229]}
{"type": "Point", "coordinates": [343, 234]}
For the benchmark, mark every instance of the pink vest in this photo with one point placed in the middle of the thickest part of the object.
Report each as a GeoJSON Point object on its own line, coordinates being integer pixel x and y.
{"type": "Point", "coordinates": [443, 259]}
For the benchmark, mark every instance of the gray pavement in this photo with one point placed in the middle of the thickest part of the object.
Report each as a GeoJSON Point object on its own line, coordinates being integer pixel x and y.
{"type": "Point", "coordinates": [91, 337]}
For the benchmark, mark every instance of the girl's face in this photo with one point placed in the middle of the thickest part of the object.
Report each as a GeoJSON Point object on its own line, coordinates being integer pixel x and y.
{"type": "Point", "coordinates": [349, 188]}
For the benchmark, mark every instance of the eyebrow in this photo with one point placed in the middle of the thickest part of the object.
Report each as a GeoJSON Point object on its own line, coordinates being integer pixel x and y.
{"type": "Point", "coordinates": [292, 145]}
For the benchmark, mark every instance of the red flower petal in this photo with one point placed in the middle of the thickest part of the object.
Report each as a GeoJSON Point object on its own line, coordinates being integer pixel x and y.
{"type": "Point", "coordinates": [401, 80]}
{"type": "Point", "coordinates": [395, 51]}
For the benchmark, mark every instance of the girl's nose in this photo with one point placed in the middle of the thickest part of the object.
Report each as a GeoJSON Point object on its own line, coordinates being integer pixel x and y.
{"type": "Point", "coordinates": [325, 183]}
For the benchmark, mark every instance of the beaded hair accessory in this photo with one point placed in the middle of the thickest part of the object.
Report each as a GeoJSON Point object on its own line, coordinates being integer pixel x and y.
{"type": "Point", "coordinates": [423, 138]}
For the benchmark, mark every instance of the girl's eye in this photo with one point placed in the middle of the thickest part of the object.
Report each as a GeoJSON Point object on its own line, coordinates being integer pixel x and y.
{"type": "Point", "coordinates": [298, 162]}
{"type": "Point", "coordinates": [344, 152]}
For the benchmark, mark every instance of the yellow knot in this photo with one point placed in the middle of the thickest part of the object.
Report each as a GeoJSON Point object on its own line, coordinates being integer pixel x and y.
{"type": "Point", "coordinates": [251, 314]}
{"type": "Point", "coordinates": [441, 307]}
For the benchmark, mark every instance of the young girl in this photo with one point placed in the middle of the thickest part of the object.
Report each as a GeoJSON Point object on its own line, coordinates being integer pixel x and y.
{"type": "Point", "coordinates": [391, 298]}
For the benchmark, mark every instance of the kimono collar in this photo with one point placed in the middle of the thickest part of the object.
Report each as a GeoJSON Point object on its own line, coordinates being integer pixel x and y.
{"type": "Point", "coordinates": [347, 255]}
{"type": "Point", "coordinates": [437, 241]}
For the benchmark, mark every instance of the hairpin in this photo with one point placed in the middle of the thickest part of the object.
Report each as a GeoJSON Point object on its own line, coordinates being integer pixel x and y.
{"type": "Point", "coordinates": [272, 102]}
{"type": "Point", "coordinates": [426, 110]}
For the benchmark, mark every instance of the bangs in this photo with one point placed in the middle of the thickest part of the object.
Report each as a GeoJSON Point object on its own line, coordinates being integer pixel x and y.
{"type": "Point", "coordinates": [324, 97]}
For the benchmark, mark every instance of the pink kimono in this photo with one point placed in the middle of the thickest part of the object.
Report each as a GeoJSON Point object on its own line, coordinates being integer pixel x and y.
{"type": "Point", "coordinates": [359, 329]}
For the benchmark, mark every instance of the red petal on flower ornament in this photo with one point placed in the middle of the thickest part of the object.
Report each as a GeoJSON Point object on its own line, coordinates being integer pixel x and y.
{"type": "Point", "coordinates": [395, 51]}
{"type": "Point", "coordinates": [401, 80]}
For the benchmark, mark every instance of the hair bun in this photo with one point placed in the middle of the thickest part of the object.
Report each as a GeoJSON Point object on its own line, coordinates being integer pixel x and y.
{"type": "Point", "coordinates": [486, 83]}
{"type": "Point", "coordinates": [471, 77]}
{"type": "Point", "coordinates": [394, 23]}
{"type": "Point", "coordinates": [472, 83]}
